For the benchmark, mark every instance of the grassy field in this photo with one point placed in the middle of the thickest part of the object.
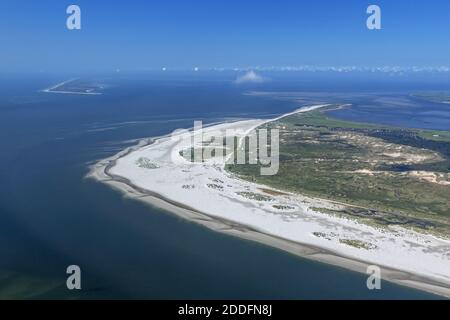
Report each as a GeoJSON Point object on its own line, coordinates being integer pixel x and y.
{"type": "Point", "coordinates": [434, 135]}
{"type": "Point", "coordinates": [388, 176]}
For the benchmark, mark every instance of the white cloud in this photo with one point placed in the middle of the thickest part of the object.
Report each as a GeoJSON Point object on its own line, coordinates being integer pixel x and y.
{"type": "Point", "coordinates": [250, 77]}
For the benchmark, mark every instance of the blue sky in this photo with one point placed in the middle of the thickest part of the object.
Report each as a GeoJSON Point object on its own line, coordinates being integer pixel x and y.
{"type": "Point", "coordinates": [146, 34]}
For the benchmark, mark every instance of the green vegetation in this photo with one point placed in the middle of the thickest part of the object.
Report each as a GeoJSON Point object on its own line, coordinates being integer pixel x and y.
{"type": "Point", "coordinates": [321, 235]}
{"type": "Point", "coordinates": [358, 244]}
{"type": "Point", "coordinates": [254, 196]}
{"type": "Point", "coordinates": [215, 186]}
{"type": "Point", "coordinates": [146, 163]}
{"type": "Point", "coordinates": [434, 135]}
{"type": "Point", "coordinates": [385, 175]}
{"type": "Point", "coordinates": [318, 118]}
{"type": "Point", "coordinates": [282, 207]}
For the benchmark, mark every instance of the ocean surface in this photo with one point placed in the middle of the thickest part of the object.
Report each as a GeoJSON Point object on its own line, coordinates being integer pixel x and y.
{"type": "Point", "coordinates": [52, 217]}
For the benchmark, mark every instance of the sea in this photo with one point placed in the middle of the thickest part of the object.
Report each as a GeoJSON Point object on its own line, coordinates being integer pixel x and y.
{"type": "Point", "coordinates": [52, 217]}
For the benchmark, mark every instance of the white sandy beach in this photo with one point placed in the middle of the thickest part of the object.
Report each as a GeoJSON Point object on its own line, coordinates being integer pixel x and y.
{"type": "Point", "coordinates": [207, 194]}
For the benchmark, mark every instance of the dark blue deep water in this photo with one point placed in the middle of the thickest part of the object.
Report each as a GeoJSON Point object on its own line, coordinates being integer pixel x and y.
{"type": "Point", "coordinates": [51, 217]}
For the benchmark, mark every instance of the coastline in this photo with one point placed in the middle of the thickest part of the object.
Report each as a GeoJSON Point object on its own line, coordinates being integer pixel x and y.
{"type": "Point", "coordinates": [101, 171]}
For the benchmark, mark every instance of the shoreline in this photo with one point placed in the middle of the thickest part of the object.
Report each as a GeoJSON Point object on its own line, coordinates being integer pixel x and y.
{"type": "Point", "coordinates": [101, 172]}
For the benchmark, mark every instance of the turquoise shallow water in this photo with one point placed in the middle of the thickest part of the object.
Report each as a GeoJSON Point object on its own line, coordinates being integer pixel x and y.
{"type": "Point", "coordinates": [51, 217]}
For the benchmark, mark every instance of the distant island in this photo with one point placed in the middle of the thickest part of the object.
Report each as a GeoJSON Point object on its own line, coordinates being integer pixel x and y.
{"type": "Point", "coordinates": [347, 193]}
{"type": "Point", "coordinates": [75, 86]}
